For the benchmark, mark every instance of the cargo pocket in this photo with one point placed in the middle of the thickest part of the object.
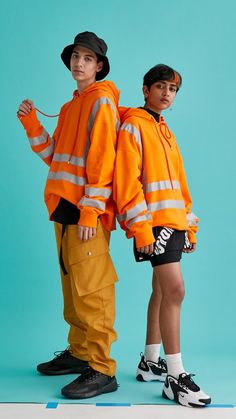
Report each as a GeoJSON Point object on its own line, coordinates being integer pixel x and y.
{"type": "Point", "coordinates": [91, 266]}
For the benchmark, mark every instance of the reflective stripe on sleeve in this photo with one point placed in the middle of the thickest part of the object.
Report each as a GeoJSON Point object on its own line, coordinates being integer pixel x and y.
{"type": "Point", "coordinates": [87, 202]}
{"type": "Point", "coordinates": [145, 217]}
{"type": "Point", "coordinates": [67, 158]}
{"type": "Point", "coordinates": [132, 212]}
{"type": "Point", "coordinates": [166, 203]}
{"type": "Point", "coordinates": [131, 129]}
{"type": "Point", "coordinates": [39, 140]}
{"type": "Point", "coordinates": [77, 180]}
{"type": "Point", "coordinates": [102, 101]}
{"type": "Point", "coordinates": [192, 219]}
{"type": "Point", "coordinates": [47, 151]}
{"type": "Point", "coordinates": [161, 185]}
{"type": "Point", "coordinates": [104, 192]}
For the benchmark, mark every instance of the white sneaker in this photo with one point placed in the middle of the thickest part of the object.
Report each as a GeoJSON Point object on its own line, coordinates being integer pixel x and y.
{"type": "Point", "coordinates": [151, 371]}
{"type": "Point", "coordinates": [184, 391]}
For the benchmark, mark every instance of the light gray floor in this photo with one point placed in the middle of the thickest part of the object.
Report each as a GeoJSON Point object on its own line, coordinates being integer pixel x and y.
{"type": "Point", "coordinates": [40, 411]}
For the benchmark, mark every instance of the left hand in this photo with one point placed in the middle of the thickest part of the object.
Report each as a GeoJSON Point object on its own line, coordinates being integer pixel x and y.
{"type": "Point", "coordinates": [190, 249]}
{"type": "Point", "coordinates": [86, 233]}
{"type": "Point", "coordinates": [148, 250]}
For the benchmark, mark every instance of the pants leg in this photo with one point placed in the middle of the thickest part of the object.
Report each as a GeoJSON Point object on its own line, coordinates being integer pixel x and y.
{"type": "Point", "coordinates": [97, 311]}
{"type": "Point", "coordinates": [89, 296]}
{"type": "Point", "coordinates": [78, 330]}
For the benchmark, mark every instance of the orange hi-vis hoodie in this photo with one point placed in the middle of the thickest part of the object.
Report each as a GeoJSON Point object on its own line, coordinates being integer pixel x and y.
{"type": "Point", "coordinates": [81, 153]}
{"type": "Point", "coordinates": [150, 186]}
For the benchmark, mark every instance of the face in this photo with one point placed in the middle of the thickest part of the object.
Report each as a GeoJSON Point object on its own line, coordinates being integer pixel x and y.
{"type": "Point", "coordinates": [160, 96]}
{"type": "Point", "coordinates": [84, 66]}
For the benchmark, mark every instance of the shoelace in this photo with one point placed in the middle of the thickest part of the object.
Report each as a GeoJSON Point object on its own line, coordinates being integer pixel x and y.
{"type": "Point", "coordinates": [162, 362]}
{"type": "Point", "coordinates": [186, 381]}
{"type": "Point", "coordinates": [88, 375]}
{"type": "Point", "coordinates": [61, 354]}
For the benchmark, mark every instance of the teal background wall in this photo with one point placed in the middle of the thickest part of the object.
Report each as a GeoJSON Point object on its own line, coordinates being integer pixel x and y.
{"type": "Point", "coordinates": [196, 38]}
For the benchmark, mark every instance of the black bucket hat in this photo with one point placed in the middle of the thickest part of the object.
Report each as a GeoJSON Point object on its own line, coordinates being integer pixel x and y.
{"type": "Point", "coordinates": [91, 41]}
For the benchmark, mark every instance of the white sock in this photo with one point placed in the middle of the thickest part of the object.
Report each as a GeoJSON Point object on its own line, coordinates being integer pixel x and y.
{"type": "Point", "coordinates": [152, 352]}
{"type": "Point", "coordinates": [174, 365]}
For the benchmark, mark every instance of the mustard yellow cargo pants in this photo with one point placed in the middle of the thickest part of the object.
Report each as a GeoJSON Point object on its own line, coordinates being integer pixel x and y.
{"type": "Point", "coordinates": [89, 296]}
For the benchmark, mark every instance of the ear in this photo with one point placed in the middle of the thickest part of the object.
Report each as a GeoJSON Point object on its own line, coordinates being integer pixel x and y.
{"type": "Point", "coordinates": [99, 66]}
{"type": "Point", "coordinates": [145, 91]}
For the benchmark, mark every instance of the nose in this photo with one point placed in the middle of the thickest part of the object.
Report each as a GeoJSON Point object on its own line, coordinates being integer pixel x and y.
{"type": "Point", "coordinates": [166, 91]}
{"type": "Point", "coordinates": [79, 62]}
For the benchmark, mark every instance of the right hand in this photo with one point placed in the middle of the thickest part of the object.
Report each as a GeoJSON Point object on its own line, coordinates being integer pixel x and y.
{"type": "Point", "coordinates": [25, 107]}
{"type": "Point", "coordinates": [146, 249]}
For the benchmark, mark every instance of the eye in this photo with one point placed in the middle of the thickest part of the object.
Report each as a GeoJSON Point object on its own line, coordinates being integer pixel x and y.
{"type": "Point", "coordinates": [74, 55]}
{"type": "Point", "coordinates": [88, 59]}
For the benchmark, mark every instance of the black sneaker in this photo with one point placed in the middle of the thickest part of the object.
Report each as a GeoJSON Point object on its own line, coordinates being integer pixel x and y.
{"type": "Point", "coordinates": [151, 371]}
{"type": "Point", "coordinates": [63, 363]}
{"type": "Point", "coordinates": [184, 391]}
{"type": "Point", "coordinates": [90, 383]}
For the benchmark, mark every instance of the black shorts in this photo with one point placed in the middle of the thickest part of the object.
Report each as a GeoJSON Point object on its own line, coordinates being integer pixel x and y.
{"type": "Point", "coordinates": [168, 247]}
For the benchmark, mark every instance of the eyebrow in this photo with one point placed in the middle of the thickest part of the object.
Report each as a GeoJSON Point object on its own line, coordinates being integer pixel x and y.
{"type": "Point", "coordinates": [86, 55]}
{"type": "Point", "coordinates": [166, 82]}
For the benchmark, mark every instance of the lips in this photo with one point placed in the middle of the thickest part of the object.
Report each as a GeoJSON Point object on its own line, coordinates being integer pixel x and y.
{"type": "Point", "coordinates": [78, 71]}
{"type": "Point", "coordinates": [164, 101]}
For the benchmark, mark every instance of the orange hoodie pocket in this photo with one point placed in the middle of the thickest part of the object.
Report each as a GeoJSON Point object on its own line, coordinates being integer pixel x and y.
{"type": "Point", "coordinates": [90, 264]}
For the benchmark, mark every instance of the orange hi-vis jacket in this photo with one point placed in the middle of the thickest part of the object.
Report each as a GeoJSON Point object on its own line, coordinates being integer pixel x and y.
{"type": "Point", "coordinates": [150, 186]}
{"type": "Point", "coordinates": [81, 153]}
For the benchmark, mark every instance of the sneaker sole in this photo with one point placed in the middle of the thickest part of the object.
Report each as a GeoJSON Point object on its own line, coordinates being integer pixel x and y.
{"type": "Point", "coordinates": [63, 372]}
{"type": "Point", "coordinates": [147, 376]}
{"type": "Point", "coordinates": [107, 389]}
{"type": "Point", "coordinates": [206, 401]}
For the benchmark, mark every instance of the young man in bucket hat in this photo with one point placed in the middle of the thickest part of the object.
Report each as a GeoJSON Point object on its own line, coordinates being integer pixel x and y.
{"type": "Point", "coordinates": [78, 195]}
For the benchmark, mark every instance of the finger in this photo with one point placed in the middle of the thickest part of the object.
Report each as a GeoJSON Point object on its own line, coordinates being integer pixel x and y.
{"type": "Point", "coordinates": [140, 249]}
{"type": "Point", "coordinates": [85, 233]}
{"type": "Point", "coordinates": [80, 232]}
{"type": "Point", "coordinates": [29, 102]}
{"type": "Point", "coordinates": [151, 248]}
{"type": "Point", "coordinates": [146, 249]}
{"type": "Point", "coordinates": [90, 233]}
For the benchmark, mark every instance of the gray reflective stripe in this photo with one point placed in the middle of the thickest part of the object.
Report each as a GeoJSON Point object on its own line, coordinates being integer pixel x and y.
{"type": "Point", "coordinates": [76, 161]}
{"type": "Point", "coordinates": [144, 217]}
{"type": "Point", "coordinates": [131, 129]}
{"type": "Point", "coordinates": [101, 101]}
{"type": "Point", "coordinates": [133, 212]}
{"type": "Point", "coordinates": [98, 192]}
{"type": "Point", "coordinates": [77, 180]}
{"type": "Point", "coordinates": [166, 203]}
{"type": "Point", "coordinates": [39, 140]}
{"type": "Point", "coordinates": [117, 125]}
{"type": "Point", "coordinates": [162, 185]}
{"type": "Point", "coordinates": [192, 219]}
{"type": "Point", "coordinates": [47, 151]}
{"type": "Point", "coordinates": [87, 202]}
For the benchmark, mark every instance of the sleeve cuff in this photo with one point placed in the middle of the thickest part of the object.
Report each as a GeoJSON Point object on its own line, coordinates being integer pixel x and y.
{"type": "Point", "coordinates": [88, 218]}
{"type": "Point", "coordinates": [144, 238]}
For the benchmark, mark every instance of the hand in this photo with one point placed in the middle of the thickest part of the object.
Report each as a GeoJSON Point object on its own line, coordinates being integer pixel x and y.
{"type": "Point", "coordinates": [146, 249]}
{"type": "Point", "coordinates": [190, 249]}
{"type": "Point", "coordinates": [86, 233]}
{"type": "Point", "coordinates": [25, 107]}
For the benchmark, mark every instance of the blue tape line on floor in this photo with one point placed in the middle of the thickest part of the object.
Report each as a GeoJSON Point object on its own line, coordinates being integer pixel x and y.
{"type": "Point", "coordinates": [221, 405]}
{"type": "Point", "coordinates": [52, 405]}
{"type": "Point", "coordinates": [113, 404]}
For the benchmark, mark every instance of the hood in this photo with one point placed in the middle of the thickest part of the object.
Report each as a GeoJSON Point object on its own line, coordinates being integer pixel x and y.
{"type": "Point", "coordinates": [129, 112]}
{"type": "Point", "coordinates": [107, 86]}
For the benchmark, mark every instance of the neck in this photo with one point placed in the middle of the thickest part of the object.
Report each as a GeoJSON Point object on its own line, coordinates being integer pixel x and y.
{"type": "Point", "coordinates": [81, 86]}
{"type": "Point", "coordinates": [152, 108]}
